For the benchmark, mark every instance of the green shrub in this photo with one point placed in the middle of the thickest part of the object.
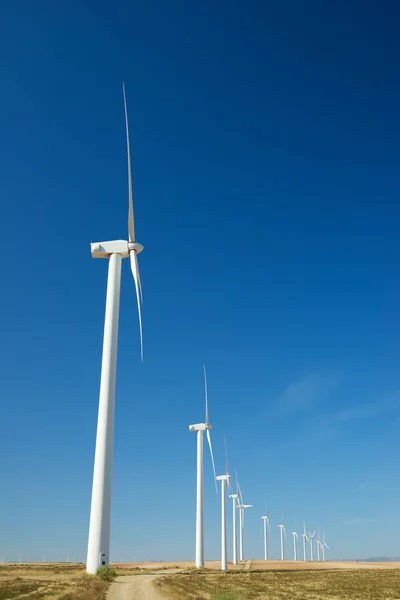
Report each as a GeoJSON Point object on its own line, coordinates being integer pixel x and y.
{"type": "Point", "coordinates": [106, 573]}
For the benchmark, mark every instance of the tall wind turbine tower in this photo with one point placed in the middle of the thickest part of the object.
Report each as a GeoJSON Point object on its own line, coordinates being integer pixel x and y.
{"type": "Point", "coordinates": [100, 512]}
{"type": "Point", "coordinates": [200, 428]}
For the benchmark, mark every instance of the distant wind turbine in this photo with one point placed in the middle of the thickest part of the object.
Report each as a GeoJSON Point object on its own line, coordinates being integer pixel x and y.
{"type": "Point", "coordinates": [305, 540]}
{"type": "Point", "coordinates": [242, 507]}
{"type": "Point", "coordinates": [323, 546]}
{"type": "Point", "coordinates": [283, 531]}
{"type": "Point", "coordinates": [311, 540]}
{"type": "Point", "coordinates": [318, 543]}
{"type": "Point", "coordinates": [295, 538]}
{"type": "Point", "coordinates": [224, 479]}
{"type": "Point", "coordinates": [235, 501]}
{"type": "Point", "coordinates": [100, 511]}
{"type": "Point", "coordinates": [200, 428]}
{"type": "Point", "coordinates": [265, 519]}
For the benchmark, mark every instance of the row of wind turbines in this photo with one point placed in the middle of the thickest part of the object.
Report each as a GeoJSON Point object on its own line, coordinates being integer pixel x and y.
{"type": "Point", "coordinates": [238, 505]}
{"type": "Point", "coordinates": [98, 552]}
{"type": "Point", "coordinates": [321, 545]}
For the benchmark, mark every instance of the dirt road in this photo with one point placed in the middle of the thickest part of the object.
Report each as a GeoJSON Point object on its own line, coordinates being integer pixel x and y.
{"type": "Point", "coordinates": [136, 587]}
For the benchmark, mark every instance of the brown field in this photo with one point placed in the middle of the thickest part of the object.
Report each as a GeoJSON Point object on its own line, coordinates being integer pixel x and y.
{"type": "Point", "coordinates": [274, 565]}
{"type": "Point", "coordinates": [46, 581]}
{"type": "Point", "coordinates": [341, 583]}
{"type": "Point", "coordinates": [251, 580]}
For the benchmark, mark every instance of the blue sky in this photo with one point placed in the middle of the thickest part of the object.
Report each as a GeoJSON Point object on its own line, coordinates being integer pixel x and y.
{"type": "Point", "coordinates": [265, 145]}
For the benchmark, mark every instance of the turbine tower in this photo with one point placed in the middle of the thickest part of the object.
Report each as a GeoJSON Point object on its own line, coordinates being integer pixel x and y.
{"type": "Point", "coordinates": [266, 524]}
{"type": "Point", "coordinates": [224, 479]}
{"type": "Point", "coordinates": [200, 428]}
{"type": "Point", "coordinates": [295, 538]}
{"type": "Point", "coordinates": [323, 546]}
{"type": "Point", "coordinates": [235, 501]}
{"type": "Point", "coordinates": [242, 507]}
{"type": "Point", "coordinates": [283, 531]}
{"type": "Point", "coordinates": [311, 540]}
{"type": "Point", "coordinates": [305, 540]}
{"type": "Point", "coordinates": [100, 511]}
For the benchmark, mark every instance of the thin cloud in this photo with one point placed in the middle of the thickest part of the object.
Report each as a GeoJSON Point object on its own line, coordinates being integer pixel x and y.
{"type": "Point", "coordinates": [386, 404]}
{"type": "Point", "coordinates": [305, 392]}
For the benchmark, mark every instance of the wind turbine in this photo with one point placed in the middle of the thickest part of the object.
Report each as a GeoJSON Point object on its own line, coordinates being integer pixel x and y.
{"type": "Point", "coordinates": [224, 479]}
{"type": "Point", "coordinates": [115, 251]}
{"type": "Point", "coordinates": [323, 546]}
{"type": "Point", "coordinates": [305, 540]}
{"type": "Point", "coordinates": [242, 507]}
{"type": "Point", "coordinates": [235, 501]}
{"type": "Point", "coordinates": [200, 428]}
{"type": "Point", "coordinates": [318, 543]}
{"type": "Point", "coordinates": [311, 540]}
{"type": "Point", "coordinates": [283, 531]}
{"type": "Point", "coordinates": [295, 539]}
{"type": "Point", "coordinates": [266, 524]}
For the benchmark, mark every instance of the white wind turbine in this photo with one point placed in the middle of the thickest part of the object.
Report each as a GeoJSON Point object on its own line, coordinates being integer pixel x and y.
{"type": "Point", "coordinates": [200, 428]}
{"type": "Point", "coordinates": [318, 544]}
{"type": "Point", "coordinates": [305, 540]}
{"type": "Point", "coordinates": [115, 251]}
{"type": "Point", "coordinates": [295, 539]}
{"type": "Point", "coordinates": [242, 507]}
{"type": "Point", "coordinates": [224, 479]}
{"type": "Point", "coordinates": [283, 531]}
{"type": "Point", "coordinates": [311, 540]}
{"type": "Point", "coordinates": [235, 501]}
{"type": "Point", "coordinates": [323, 546]}
{"type": "Point", "coordinates": [265, 519]}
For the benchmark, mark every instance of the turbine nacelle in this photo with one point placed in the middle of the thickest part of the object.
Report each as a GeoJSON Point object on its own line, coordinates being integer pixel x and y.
{"type": "Point", "coordinates": [234, 496]}
{"type": "Point", "coordinates": [199, 427]}
{"type": "Point", "coordinates": [122, 247]}
{"type": "Point", "coordinates": [223, 477]}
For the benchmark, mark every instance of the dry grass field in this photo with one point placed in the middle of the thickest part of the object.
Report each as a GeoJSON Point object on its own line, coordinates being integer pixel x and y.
{"type": "Point", "coordinates": [290, 584]}
{"type": "Point", "coordinates": [49, 582]}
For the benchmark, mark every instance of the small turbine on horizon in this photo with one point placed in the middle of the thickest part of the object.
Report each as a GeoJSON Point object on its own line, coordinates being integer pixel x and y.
{"type": "Point", "coordinates": [283, 532]}
{"type": "Point", "coordinates": [311, 540]}
{"type": "Point", "coordinates": [224, 479]}
{"type": "Point", "coordinates": [295, 539]}
{"type": "Point", "coordinates": [305, 540]}
{"type": "Point", "coordinates": [200, 428]}
{"type": "Point", "coordinates": [242, 507]}
{"type": "Point", "coordinates": [323, 546]}
{"type": "Point", "coordinates": [265, 519]}
{"type": "Point", "coordinates": [235, 502]}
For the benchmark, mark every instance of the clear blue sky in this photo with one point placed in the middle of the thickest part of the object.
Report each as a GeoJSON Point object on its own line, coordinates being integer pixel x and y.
{"type": "Point", "coordinates": [266, 143]}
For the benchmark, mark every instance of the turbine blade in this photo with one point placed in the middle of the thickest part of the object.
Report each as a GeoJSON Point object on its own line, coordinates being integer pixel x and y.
{"type": "Point", "coordinates": [206, 392]}
{"type": "Point", "coordinates": [226, 457]}
{"type": "Point", "coordinates": [240, 494]}
{"type": "Point", "coordinates": [138, 286]}
{"type": "Point", "coordinates": [212, 458]}
{"type": "Point", "coordinates": [131, 228]}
